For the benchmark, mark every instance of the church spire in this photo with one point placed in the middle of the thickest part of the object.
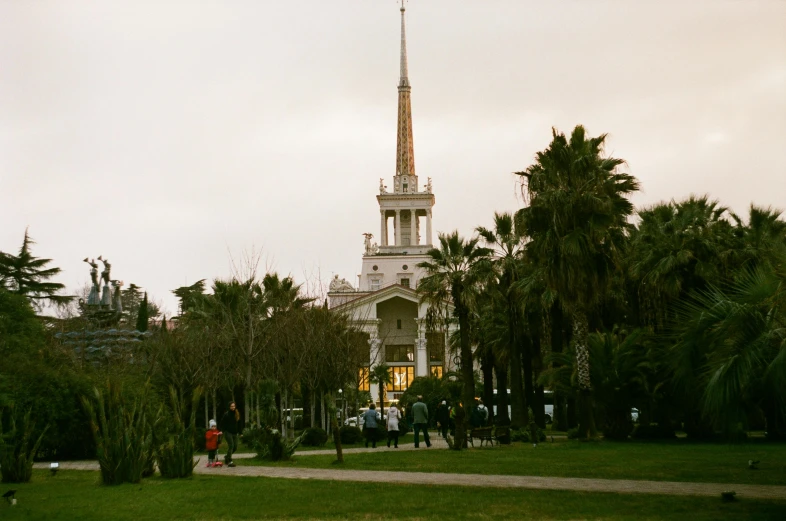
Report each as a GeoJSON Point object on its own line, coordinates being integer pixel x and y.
{"type": "Point", "coordinates": [405, 152]}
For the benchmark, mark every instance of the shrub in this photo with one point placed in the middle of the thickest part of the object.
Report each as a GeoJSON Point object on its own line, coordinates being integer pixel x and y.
{"type": "Point", "coordinates": [17, 449]}
{"type": "Point", "coordinates": [350, 435]}
{"type": "Point", "coordinates": [314, 437]}
{"type": "Point", "coordinates": [525, 435]}
{"type": "Point", "coordinates": [618, 430]}
{"type": "Point", "coordinates": [269, 445]}
{"type": "Point", "coordinates": [573, 434]}
{"type": "Point", "coordinates": [122, 432]}
{"type": "Point", "coordinates": [175, 453]}
{"type": "Point", "coordinates": [253, 437]}
{"type": "Point", "coordinates": [299, 423]}
{"type": "Point", "coordinates": [653, 431]}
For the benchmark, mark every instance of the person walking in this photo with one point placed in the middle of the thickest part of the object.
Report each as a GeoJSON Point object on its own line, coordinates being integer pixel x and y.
{"type": "Point", "coordinates": [230, 426]}
{"type": "Point", "coordinates": [370, 425]}
{"type": "Point", "coordinates": [443, 418]}
{"type": "Point", "coordinates": [484, 412]}
{"type": "Point", "coordinates": [420, 417]}
{"type": "Point", "coordinates": [394, 415]}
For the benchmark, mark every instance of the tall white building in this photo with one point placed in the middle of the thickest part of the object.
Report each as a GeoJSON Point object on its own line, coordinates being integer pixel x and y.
{"type": "Point", "coordinates": [385, 305]}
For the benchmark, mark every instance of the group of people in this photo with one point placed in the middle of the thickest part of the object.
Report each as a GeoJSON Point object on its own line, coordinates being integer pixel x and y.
{"type": "Point", "coordinates": [372, 421]}
{"type": "Point", "coordinates": [230, 430]}
{"type": "Point", "coordinates": [446, 417]}
{"type": "Point", "coordinates": [229, 427]}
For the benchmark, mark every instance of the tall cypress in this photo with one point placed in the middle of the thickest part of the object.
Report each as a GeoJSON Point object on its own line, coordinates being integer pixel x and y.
{"type": "Point", "coordinates": [141, 319]}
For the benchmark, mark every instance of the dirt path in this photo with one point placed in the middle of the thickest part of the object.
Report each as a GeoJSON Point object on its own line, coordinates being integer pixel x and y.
{"type": "Point", "coordinates": [475, 480]}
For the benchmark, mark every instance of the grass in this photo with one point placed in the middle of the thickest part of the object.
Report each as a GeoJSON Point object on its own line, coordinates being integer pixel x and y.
{"type": "Point", "coordinates": [678, 460]}
{"type": "Point", "coordinates": [77, 495]}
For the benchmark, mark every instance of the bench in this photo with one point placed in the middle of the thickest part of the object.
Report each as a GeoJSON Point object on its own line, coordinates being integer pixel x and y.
{"type": "Point", "coordinates": [482, 434]}
{"type": "Point", "coordinates": [502, 434]}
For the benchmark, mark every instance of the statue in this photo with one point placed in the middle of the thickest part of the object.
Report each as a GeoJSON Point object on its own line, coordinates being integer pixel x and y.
{"type": "Point", "coordinates": [117, 297]}
{"type": "Point", "coordinates": [428, 185]}
{"type": "Point", "coordinates": [371, 248]}
{"type": "Point", "coordinates": [340, 284]}
{"type": "Point", "coordinates": [107, 268]}
{"type": "Point", "coordinates": [382, 187]}
{"type": "Point", "coordinates": [92, 299]}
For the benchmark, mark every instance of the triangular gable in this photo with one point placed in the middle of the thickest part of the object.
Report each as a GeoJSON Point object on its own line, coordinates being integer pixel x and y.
{"type": "Point", "coordinates": [386, 293]}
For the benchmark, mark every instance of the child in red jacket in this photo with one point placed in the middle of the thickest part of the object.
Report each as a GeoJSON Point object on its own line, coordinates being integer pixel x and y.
{"type": "Point", "coordinates": [212, 439]}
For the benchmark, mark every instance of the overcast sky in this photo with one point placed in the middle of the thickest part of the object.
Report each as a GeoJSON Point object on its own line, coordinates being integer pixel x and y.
{"type": "Point", "coordinates": [168, 135]}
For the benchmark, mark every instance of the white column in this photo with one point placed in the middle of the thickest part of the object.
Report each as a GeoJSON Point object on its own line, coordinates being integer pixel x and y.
{"type": "Point", "coordinates": [428, 226]}
{"type": "Point", "coordinates": [398, 227]}
{"type": "Point", "coordinates": [413, 233]}
{"type": "Point", "coordinates": [421, 369]}
{"type": "Point", "coordinates": [383, 229]}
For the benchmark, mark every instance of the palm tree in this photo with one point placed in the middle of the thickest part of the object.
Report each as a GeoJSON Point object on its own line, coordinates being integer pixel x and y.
{"type": "Point", "coordinates": [508, 248]}
{"type": "Point", "coordinates": [381, 375]}
{"type": "Point", "coordinates": [677, 247]}
{"type": "Point", "coordinates": [577, 222]}
{"type": "Point", "coordinates": [739, 333]}
{"type": "Point", "coordinates": [762, 237]}
{"type": "Point", "coordinates": [453, 274]}
{"type": "Point", "coordinates": [24, 274]}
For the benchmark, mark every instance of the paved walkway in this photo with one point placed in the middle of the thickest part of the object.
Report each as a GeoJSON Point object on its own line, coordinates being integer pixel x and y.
{"type": "Point", "coordinates": [471, 480]}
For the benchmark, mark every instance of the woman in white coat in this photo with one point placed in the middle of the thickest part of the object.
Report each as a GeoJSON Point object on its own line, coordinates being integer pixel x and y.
{"type": "Point", "coordinates": [394, 415]}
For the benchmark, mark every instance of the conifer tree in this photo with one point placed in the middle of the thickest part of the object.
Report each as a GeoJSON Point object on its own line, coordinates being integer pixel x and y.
{"type": "Point", "coordinates": [141, 319]}
{"type": "Point", "coordinates": [27, 275]}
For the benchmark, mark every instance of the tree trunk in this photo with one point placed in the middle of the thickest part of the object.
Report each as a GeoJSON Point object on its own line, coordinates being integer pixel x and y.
{"type": "Point", "coordinates": [557, 319]}
{"type": "Point", "coordinates": [245, 405]}
{"type": "Point", "coordinates": [291, 426]}
{"type": "Point", "coordinates": [322, 415]}
{"type": "Point", "coordinates": [283, 420]}
{"type": "Point", "coordinates": [538, 398]}
{"type": "Point", "coordinates": [313, 404]}
{"type": "Point", "coordinates": [207, 412]}
{"type": "Point", "coordinates": [487, 368]}
{"type": "Point", "coordinates": [518, 405]}
{"type": "Point", "coordinates": [529, 386]}
{"type": "Point", "coordinates": [502, 416]}
{"type": "Point", "coordinates": [586, 415]}
{"type": "Point", "coordinates": [381, 399]}
{"type": "Point", "coordinates": [336, 435]}
{"type": "Point", "coordinates": [280, 409]}
{"type": "Point", "coordinates": [215, 405]}
{"type": "Point", "coordinates": [467, 375]}
{"type": "Point", "coordinates": [259, 411]}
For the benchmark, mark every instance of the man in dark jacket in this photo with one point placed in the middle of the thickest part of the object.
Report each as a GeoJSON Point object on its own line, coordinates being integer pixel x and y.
{"type": "Point", "coordinates": [420, 417]}
{"type": "Point", "coordinates": [443, 418]}
{"type": "Point", "coordinates": [230, 426]}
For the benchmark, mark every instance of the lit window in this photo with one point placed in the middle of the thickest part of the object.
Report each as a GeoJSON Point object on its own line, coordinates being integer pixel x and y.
{"type": "Point", "coordinates": [436, 371]}
{"type": "Point", "coordinates": [363, 379]}
{"type": "Point", "coordinates": [402, 377]}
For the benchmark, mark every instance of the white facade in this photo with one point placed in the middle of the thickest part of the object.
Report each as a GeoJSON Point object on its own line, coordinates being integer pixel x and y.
{"type": "Point", "coordinates": [384, 304]}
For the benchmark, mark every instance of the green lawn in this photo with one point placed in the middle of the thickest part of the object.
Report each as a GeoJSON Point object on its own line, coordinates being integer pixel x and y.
{"type": "Point", "coordinates": [77, 495]}
{"type": "Point", "coordinates": [678, 460]}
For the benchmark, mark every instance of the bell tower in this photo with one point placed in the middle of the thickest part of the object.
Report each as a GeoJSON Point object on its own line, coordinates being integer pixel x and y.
{"type": "Point", "coordinates": [409, 205]}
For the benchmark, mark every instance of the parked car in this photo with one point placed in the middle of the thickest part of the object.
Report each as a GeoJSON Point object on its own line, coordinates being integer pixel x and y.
{"type": "Point", "coordinates": [634, 415]}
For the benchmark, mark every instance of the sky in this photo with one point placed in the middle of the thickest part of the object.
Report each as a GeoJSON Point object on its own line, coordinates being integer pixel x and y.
{"type": "Point", "coordinates": [175, 138]}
